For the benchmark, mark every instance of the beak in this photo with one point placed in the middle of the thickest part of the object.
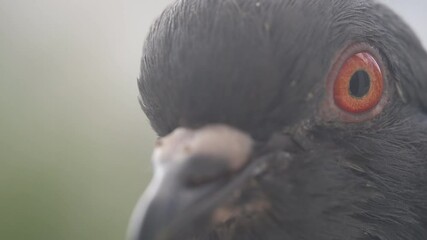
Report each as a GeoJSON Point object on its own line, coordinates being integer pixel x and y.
{"type": "Point", "coordinates": [195, 171]}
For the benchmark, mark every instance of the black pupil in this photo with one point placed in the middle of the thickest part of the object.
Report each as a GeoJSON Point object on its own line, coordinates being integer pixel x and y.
{"type": "Point", "coordinates": [359, 84]}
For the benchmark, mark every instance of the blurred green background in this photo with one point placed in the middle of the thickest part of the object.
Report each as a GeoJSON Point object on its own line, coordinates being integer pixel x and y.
{"type": "Point", "coordinates": [74, 144]}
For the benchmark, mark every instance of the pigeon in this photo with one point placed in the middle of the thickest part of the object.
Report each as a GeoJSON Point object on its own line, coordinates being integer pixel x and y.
{"type": "Point", "coordinates": [284, 120]}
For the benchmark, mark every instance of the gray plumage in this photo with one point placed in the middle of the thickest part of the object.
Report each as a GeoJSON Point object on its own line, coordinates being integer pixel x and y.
{"type": "Point", "coordinates": [261, 66]}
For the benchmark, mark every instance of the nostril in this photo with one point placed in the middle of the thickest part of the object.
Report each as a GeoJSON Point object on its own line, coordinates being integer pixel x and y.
{"type": "Point", "coordinates": [203, 170]}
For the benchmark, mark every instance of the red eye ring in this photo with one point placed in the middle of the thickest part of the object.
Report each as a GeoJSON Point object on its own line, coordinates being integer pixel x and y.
{"type": "Point", "coordinates": [359, 84]}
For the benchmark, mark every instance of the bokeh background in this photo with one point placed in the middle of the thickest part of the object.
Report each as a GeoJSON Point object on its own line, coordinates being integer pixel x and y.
{"type": "Point", "coordinates": [74, 144]}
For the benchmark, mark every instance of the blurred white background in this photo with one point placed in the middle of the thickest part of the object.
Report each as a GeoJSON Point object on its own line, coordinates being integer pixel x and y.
{"type": "Point", "coordinates": [74, 145]}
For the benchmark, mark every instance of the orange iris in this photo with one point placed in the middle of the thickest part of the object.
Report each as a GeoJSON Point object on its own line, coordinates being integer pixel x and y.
{"type": "Point", "coordinates": [359, 84]}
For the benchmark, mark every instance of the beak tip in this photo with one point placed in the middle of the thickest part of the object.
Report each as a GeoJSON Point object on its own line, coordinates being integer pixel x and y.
{"type": "Point", "coordinates": [136, 227]}
{"type": "Point", "coordinates": [170, 204]}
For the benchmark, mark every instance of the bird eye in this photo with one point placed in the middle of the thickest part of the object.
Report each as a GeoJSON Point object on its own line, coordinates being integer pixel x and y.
{"type": "Point", "coordinates": [357, 89]}
{"type": "Point", "coordinates": [359, 84]}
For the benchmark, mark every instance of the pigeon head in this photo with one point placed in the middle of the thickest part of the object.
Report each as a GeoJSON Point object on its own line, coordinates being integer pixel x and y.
{"type": "Point", "coordinates": [284, 120]}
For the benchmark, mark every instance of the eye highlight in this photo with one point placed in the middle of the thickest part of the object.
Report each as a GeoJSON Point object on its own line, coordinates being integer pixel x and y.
{"type": "Point", "coordinates": [359, 84]}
